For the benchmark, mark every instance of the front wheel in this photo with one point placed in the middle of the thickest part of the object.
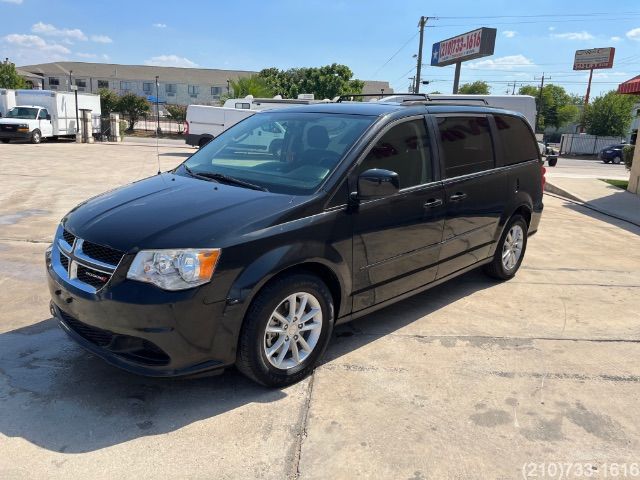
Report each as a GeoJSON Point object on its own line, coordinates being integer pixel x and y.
{"type": "Point", "coordinates": [6, 140]}
{"type": "Point", "coordinates": [36, 136]}
{"type": "Point", "coordinates": [286, 330]}
{"type": "Point", "coordinates": [617, 160]}
{"type": "Point", "coordinates": [510, 250]}
{"type": "Point", "coordinates": [606, 161]}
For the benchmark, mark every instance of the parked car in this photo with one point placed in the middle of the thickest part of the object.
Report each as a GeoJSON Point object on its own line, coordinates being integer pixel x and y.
{"type": "Point", "coordinates": [250, 257]}
{"type": "Point", "coordinates": [612, 153]}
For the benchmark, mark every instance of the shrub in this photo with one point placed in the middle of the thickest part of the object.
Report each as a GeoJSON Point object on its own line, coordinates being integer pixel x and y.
{"type": "Point", "coordinates": [627, 155]}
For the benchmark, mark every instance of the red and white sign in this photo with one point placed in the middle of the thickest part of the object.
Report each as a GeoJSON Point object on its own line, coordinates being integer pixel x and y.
{"type": "Point", "coordinates": [594, 58]}
{"type": "Point", "coordinates": [461, 46]}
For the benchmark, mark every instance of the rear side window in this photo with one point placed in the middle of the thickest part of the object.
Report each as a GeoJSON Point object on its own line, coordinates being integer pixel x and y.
{"type": "Point", "coordinates": [404, 149]}
{"type": "Point", "coordinates": [466, 144]}
{"type": "Point", "coordinates": [517, 142]}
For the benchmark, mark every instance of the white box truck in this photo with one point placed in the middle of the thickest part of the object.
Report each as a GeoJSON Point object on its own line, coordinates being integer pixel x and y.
{"type": "Point", "coordinates": [42, 114]}
{"type": "Point", "coordinates": [7, 100]}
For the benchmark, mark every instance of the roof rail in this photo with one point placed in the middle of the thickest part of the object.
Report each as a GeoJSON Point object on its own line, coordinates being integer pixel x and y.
{"type": "Point", "coordinates": [350, 96]}
{"type": "Point", "coordinates": [448, 101]}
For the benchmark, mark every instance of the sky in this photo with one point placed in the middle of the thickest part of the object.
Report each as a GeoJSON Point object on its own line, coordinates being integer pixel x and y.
{"type": "Point", "coordinates": [376, 39]}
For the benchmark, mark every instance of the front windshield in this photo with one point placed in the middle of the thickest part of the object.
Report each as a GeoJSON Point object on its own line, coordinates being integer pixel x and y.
{"type": "Point", "coordinates": [289, 153]}
{"type": "Point", "coordinates": [23, 112]}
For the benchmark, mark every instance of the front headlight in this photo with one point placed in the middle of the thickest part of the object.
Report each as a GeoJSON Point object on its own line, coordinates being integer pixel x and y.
{"type": "Point", "coordinates": [174, 269]}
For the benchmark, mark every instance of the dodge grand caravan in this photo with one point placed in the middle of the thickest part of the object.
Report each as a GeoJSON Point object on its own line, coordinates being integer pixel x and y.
{"type": "Point", "coordinates": [248, 254]}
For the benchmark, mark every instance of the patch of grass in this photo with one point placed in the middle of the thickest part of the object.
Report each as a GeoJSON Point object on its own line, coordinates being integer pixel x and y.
{"type": "Point", "coordinates": [617, 183]}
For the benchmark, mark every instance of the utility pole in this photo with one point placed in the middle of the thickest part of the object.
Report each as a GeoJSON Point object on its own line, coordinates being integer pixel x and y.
{"type": "Point", "coordinates": [540, 99]}
{"type": "Point", "coordinates": [423, 22]}
{"type": "Point", "coordinates": [412, 88]}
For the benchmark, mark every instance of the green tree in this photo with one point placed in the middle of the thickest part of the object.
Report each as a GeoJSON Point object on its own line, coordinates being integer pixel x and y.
{"type": "Point", "coordinates": [9, 77]}
{"type": "Point", "coordinates": [252, 85]}
{"type": "Point", "coordinates": [610, 114]}
{"type": "Point", "coordinates": [328, 81]}
{"type": "Point", "coordinates": [177, 112]}
{"type": "Point", "coordinates": [558, 107]}
{"type": "Point", "coordinates": [108, 101]}
{"type": "Point", "coordinates": [134, 107]}
{"type": "Point", "coordinates": [479, 87]}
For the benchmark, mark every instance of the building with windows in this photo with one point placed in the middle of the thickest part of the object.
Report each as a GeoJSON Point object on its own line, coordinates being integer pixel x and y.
{"type": "Point", "coordinates": [181, 86]}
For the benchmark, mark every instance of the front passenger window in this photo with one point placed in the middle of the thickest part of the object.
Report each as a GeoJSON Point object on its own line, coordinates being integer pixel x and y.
{"type": "Point", "coordinates": [404, 149]}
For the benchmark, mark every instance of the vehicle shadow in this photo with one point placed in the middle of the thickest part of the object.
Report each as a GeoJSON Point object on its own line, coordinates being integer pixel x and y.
{"type": "Point", "coordinates": [57, 396]}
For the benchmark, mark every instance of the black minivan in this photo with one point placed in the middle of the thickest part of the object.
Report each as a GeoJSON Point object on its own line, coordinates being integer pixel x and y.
{"type": "Point", "coordinates": [291, 222]}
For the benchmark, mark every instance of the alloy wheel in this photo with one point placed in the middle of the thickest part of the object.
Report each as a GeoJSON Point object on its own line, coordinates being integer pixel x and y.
{"type": "Point", "coordinates": [293, 330]}
{"type": "Point", "coordinates": [512, 247]}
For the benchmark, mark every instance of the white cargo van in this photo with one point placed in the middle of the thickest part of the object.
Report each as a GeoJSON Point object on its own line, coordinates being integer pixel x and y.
{"type": "Point", "coordinates": [7, 100]}
{"type": "Point", "coordinates": [42, 114]}
{"type": "Point", "coordinates": [204, 122]}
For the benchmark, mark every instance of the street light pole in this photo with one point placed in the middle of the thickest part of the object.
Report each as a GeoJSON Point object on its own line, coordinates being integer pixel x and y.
{"type": "Point", "coordinates": [157, 107]}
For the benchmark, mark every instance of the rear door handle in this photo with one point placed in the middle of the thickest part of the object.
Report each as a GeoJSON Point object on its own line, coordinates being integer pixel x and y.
{"type": "Point", "coordinates": [433, 202]}
{"type": "Point", "coordinates": [456, 197]}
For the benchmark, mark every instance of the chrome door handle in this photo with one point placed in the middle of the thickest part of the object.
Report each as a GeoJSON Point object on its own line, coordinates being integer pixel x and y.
{"type": "Point", "coordinates": [456, 197]}
{"type": "Point", "coordinates": [433, 202]}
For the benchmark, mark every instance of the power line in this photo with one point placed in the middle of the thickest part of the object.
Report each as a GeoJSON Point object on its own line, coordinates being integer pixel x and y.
{"type": "Point", "coordinates": [616, 19]}
{"type": "Point", "coordinates": [393, 56]}
{"type": "Point", "coordinates": [593, 14]}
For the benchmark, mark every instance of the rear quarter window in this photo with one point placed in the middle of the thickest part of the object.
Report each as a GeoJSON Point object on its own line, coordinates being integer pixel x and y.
{"type": "Point", "coordinates": [518, 144]}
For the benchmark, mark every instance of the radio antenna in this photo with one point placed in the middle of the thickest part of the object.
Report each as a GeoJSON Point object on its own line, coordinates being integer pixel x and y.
{"type": "Point", "coordinates": [158, 124]}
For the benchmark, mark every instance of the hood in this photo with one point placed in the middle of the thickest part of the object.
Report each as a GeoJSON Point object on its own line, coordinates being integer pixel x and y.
{"type": "Point", "coordinates": [172, 211]}
{"type": "Point", "coordinates": [15, 121]}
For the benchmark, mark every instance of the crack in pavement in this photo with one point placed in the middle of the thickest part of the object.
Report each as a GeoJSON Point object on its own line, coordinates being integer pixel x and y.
{"type": "Point", "coordinates": [498, 338]}
{"type": "Point", "coordinates": [302, 433]}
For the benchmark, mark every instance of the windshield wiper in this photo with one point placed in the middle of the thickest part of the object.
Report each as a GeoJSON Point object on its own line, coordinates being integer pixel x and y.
{"type": "Point", "coordinates": [222, 178]}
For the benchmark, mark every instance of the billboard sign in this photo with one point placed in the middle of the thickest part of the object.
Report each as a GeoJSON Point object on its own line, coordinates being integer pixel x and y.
{"type": "Point", "coordinates": [594, 58]}
{"type": "Point", "coordinates": [468, 46]}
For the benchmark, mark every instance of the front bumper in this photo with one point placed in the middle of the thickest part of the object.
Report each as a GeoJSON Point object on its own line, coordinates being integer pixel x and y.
{"type": "Point", "coordinates": [146, 330]}
{"type": "Point", "coordinates": [15, 135]}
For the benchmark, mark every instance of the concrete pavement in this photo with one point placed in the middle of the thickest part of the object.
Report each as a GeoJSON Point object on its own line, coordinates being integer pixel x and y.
{"type": "Point", "coordinates": [472, 379]}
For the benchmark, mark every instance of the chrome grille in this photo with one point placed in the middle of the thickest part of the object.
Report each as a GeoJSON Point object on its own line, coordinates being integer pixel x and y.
{"type": "Point", "coordinates": [86, 265]}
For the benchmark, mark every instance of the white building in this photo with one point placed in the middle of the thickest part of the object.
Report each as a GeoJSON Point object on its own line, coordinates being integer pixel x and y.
{"type": "Point", "coordinates": [182, 86]}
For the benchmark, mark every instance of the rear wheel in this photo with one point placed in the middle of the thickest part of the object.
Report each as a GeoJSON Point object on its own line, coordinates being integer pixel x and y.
{"type": "Point", "coordinates": [510, 250]}
{"type": "Point", "coordinates": [286, 330]}
{"type": "Point", "coordinates": [6, 140]}
{"type": "Point", "coordinates": [36, 136]}
{"type": "Point", "coordinates": [204, 141]}
{"type": "Point", "coordinates": [617, 160]}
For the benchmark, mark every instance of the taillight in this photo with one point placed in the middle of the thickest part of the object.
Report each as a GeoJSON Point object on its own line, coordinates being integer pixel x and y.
{"type": "Point", "coordinates": [543, 179]}
{"type": "Point", "coordinates": [186, 127]}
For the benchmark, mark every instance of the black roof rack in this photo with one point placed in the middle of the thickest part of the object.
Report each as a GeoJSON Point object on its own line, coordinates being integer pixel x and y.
{"type": "Point", "coordinates": [422, 99]}
{"type": "Point", "coordinates": [349, 96]}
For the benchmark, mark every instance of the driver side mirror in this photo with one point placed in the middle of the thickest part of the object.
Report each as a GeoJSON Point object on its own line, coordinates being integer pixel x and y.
{"type": "Point", "coordinates": [48, 117]}
{"type": "Point", "coordinates": [377, 183]}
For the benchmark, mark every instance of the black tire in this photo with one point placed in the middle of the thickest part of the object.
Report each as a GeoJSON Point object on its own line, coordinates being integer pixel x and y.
{"type": "Point", "coordinates": [606, 161]}
{"type": "Point", "coordinates": [203, 141]}
{"type": "Point", "coordinates": [36, 136]}
{"type": "Point", "coordinates": [252, 360]}
{"type": "Point", "coordinates": [496, 268]}
{"type": "Point", "coordinates": [6, 140]}
{"type": "Point", "coordinates": [617, 160]}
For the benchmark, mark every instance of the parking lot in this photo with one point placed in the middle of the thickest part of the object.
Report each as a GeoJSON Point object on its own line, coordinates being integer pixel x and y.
{"type": "Point", "coordinates": [472, 379]}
